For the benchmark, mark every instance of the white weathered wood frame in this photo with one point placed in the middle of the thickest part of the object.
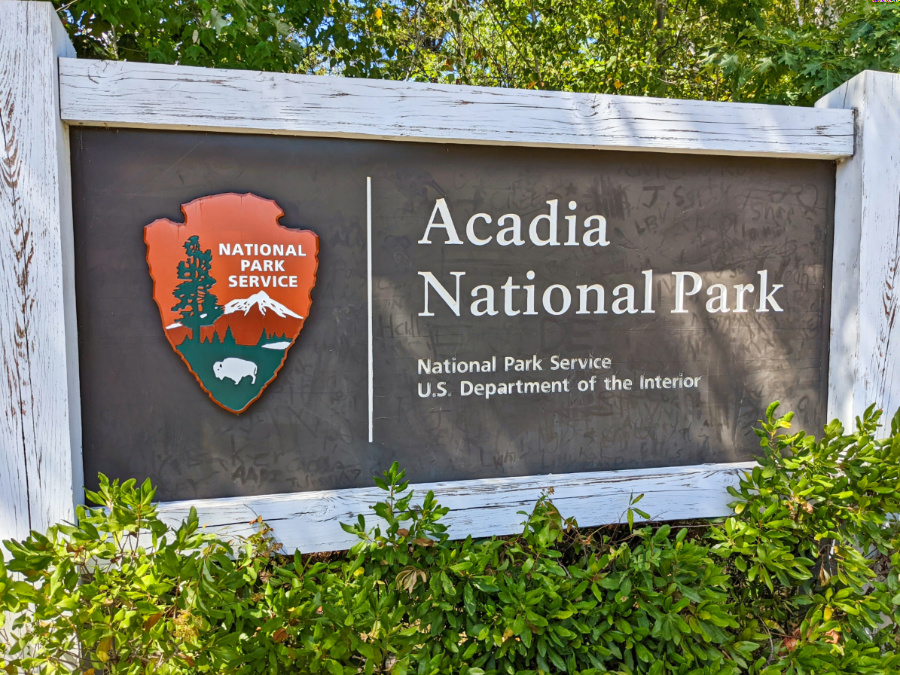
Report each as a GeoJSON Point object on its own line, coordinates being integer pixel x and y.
{"type": "Point", "coordinates": [151, 96]}
{"type": "Point", "coordinates": [40, 412]}
{"type": "Point", "coordinates": [165, 97]}
{"type": "Point", "coordinates": [135, 95]}
{"type": "Point", "coordinates": [865, 308]}
{"type": "Point", "coordinates": [311, 521]}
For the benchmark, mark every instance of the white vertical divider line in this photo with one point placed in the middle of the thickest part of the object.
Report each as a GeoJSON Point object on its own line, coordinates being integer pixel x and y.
{"type": "Point", "coordinates": [369, 283]}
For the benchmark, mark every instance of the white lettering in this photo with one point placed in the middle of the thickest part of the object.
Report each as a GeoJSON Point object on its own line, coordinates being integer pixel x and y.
{"type": "Point", "coordinates": [470, 229]}
{"type": "Point", "coordinates": [596, 236]}
{"type": "Point", "coordinates": [680, 292]}
{"type": "Point", "coordinates": [625, 303]}
{"type": "Point", "coordinates": [513, 233]}
{"type": "Point", "coordinates": [719, 301]}
{"type": "Point", "coordinates": [440, 207]}
{"type": "Point", "coordinates": [487, 300]}
{"type": "Point", "coordinates": [583, 291]}
{"type": "Point", "coordinates": [766, 298]}
{"type": "Point", "coordinates": [547, 299]}
{"type": "Point", "coordinates": [739, 291]}
{"type": "Point", "coordinates": [451, 301]}
{"type": "Point", "coordinates": [552, 226]}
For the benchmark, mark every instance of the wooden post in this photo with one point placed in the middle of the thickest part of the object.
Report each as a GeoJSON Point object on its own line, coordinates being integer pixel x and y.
{"type": "Point", "coordinates": [865, 314]}
{"type": "Point", "coordinates": [40, 419]}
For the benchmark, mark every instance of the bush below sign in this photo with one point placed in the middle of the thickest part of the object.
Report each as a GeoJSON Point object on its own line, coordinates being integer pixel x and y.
{"type": "Point", "coordinates": [803, 578]}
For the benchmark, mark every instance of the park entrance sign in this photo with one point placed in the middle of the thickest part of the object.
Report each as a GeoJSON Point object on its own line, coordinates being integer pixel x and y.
{"type": "Point", "coordinates": [263, 289]}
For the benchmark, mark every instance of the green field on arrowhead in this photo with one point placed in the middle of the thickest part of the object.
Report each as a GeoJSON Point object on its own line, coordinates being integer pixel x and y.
{"type": "Point", "coordinates": [203, 355]}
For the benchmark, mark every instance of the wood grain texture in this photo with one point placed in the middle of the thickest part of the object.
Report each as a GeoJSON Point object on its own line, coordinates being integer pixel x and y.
{"type": "Point", "coordinates": [178, 97]}
{"type": "Point", "coordinates": [36, 439]}
{"type": "Point", "coordinates": [865, 344]}
{"type": "Point", "coordinates": [310, 521]}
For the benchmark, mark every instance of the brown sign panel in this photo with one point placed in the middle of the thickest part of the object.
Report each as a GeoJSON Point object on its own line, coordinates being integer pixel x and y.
{"type": "Point", "coordinates": [532, 310]}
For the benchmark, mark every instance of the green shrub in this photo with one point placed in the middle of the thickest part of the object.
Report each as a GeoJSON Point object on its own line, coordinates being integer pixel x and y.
{"type": "Point", "coordinates": [802, 579]}
{"type": "Point", "coordinates": [814, 548]}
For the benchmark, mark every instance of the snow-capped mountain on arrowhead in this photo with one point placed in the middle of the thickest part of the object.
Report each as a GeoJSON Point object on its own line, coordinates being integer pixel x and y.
{"type": "Point", "coordinates": [247, 317]}
{"type": "Point", "coordinates": [262, 302]}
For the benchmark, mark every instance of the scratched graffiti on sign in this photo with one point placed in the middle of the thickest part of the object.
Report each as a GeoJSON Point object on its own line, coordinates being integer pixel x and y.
{"type": "Point", "coordinates": [532, 310]}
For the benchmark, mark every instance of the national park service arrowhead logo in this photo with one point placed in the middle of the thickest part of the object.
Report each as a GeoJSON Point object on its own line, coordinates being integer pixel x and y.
{"type": "Point", "coordinates": [233, 290]}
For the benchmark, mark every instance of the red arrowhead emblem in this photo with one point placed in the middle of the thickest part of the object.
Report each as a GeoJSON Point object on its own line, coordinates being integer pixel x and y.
{"type": "Point", "coordinates": [233, 289]}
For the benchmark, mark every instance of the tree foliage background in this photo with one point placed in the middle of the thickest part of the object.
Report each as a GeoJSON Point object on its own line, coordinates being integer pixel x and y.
{"type": "Point", "coordinates": [773, 51]}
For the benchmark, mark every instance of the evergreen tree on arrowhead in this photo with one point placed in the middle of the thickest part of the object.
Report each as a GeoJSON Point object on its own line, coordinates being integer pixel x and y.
{"type": "Point", "coordinates": [197, 305]}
